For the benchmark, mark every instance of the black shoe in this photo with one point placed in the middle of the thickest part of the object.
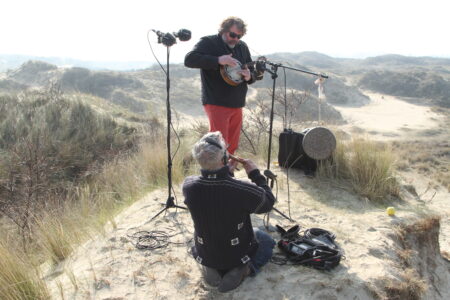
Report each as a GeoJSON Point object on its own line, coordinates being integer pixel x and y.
{"type": "Point", "coordinates": [211, 276]}
{"type": "Point", "coordinates": [233, 278]}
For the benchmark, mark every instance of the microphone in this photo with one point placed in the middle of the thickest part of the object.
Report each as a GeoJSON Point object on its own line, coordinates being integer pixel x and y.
{"type": "Point", "coordinates": [166, 39]}
{"type": "Point", "coordinates": [183, 34]}
{"type": "Point", "coordinates": [260, 66]}
{"type": "Point", "coordinates": [169, 39]}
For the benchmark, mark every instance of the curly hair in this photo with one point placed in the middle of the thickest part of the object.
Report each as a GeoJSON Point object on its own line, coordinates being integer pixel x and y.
{"type": "Point", "coordinates": [229, 22]}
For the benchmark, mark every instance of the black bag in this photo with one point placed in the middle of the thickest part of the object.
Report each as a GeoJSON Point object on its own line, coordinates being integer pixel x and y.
{"type": "Point", "coordinates": [291, 153]}
{"type": "Point", "coordinates": [315, 248]}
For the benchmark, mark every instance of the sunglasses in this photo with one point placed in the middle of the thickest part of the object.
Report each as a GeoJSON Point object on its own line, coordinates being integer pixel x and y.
{"type": "Point", "coordinates": [234, 35]}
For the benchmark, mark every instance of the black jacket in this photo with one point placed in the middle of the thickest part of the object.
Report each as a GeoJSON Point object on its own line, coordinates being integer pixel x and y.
{"type": "Point", "coordinates": [220, 207]}
{"type": "Point", "coordinates": [215, 90]}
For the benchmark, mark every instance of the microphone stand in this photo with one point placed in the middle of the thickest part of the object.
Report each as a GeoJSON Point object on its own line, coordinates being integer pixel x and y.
{"type": "Point", "coordinates": [274, 77]}
{"type": "Point", "coordinates": [170, 199]}
{"type": "Point", "coordinates": [270, 176]}
{"type": "Point", "coordinates": [273, 72]}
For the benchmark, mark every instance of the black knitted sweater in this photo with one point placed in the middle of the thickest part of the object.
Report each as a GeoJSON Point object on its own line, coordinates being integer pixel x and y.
{"type": "Point", "coordinates": [215, 90]}
{"type": "Point", "coordinates": [220, 207]}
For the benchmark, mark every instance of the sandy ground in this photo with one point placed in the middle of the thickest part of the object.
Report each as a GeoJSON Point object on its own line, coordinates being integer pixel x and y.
{"type": "Point", "coordinates": [388, 117]}
{"type": "Point", "coordinates": [110, 267]}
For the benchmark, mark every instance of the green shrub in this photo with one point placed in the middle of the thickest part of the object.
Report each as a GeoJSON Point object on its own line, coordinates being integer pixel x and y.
{"type": "Point", "coordinates": [49, 143]}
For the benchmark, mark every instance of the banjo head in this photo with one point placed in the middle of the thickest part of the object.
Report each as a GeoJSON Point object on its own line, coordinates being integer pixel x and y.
{"type": "Point", "coordinates": [230, 74]}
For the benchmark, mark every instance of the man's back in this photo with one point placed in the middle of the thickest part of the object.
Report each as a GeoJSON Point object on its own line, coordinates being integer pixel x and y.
{"type": "Point", "coordinates": [220, 207]}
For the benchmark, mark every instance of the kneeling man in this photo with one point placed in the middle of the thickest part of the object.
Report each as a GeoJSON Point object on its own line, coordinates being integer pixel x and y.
{"type": "Point", "coordinates": [226, 244]}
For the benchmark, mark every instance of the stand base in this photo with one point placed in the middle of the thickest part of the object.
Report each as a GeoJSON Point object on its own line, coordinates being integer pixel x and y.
{"type": "Point", "coordinates": [169, 204]}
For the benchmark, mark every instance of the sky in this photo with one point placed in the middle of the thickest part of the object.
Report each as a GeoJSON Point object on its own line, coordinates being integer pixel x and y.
{"type": "Point", "coordinates": [122, 30]}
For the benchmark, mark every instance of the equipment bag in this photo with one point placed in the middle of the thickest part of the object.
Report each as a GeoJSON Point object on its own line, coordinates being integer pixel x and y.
{"type": "Point", "coordinates": [315, 248]}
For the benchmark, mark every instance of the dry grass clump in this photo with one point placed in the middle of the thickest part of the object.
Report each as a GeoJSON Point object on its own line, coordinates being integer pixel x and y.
{"type": "Point", "coordinates": [58, 235]}
{"type": "Point", "coordinates": [19, 279]}
{"type": "Point", "coordinates": [364, 165]}
{"type": "Point", "coordinates": [418, 241]}
{"type": "Point", "coordinates": [417, 253]}
{"type": "Point", "coordinates": [421, 235]}
{"type": "Point", "coordinates": [422, 226]}
{"type": "Point", "coordinates": [140, 172]}
{"type": "Point", "coordinates": [410, 287]}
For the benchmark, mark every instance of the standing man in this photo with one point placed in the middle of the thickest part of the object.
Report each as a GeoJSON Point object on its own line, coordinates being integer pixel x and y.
{"type": "Point", "coordinates": [226, 244]}
{"type": "Point", "coordinates": [222, 102]}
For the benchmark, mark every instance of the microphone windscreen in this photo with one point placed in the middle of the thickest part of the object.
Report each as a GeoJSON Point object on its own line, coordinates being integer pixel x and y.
{"type": "Point", "coordinates": [183, 35]}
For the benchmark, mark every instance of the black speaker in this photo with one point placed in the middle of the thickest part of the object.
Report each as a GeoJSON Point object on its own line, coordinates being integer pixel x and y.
{"type": "Point", "coordinates": [291, 153]}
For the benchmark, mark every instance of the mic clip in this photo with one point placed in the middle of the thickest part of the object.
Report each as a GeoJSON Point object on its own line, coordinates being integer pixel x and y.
{"type": "Point", "coordinates": [270, 176]}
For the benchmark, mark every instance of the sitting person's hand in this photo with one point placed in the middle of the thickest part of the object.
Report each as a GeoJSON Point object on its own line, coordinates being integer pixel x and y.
{"type": "Point", "coordinates": [249, 165]}
{"type": "Point", "coordinates": [232, 164]}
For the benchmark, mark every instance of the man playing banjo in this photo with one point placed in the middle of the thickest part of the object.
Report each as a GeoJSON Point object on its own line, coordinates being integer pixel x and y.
{"type": "Point", "coordinates": [223, 98]}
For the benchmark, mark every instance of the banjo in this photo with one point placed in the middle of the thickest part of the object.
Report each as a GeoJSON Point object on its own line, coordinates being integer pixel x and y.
{"type": "Point", "coordinates": [230, 74]}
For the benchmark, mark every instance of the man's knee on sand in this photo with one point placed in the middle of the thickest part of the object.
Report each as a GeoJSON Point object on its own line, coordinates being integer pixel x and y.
{"type": "Point", "coordinates": [227, 280]}
{"type": "Point", "coordinates": [265, 250]}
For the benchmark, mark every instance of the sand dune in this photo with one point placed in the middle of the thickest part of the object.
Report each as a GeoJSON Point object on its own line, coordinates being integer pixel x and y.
{"type": "Point", "coordinates": [389, 117]}
{"type": "Point", "coordinates": [110, 267]}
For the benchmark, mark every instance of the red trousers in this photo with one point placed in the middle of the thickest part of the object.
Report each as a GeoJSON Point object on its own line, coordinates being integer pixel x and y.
{"type": "Point", "coordinates": [226, 120]}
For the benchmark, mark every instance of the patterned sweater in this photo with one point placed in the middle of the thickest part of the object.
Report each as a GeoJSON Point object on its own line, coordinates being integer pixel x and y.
{"type": "Point", "coordinates": [220, 207]}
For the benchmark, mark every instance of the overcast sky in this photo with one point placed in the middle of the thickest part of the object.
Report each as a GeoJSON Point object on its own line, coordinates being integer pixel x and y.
{"type": "Point", "coordinates": [117, 30]}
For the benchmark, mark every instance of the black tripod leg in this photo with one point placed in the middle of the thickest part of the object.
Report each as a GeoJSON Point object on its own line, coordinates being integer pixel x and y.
{"type": "Point", "coordinates": [282, 214]}
{"type": "Point", "coordinates": [177, 206]}
{"type": "Point", "coordinates": [164, 209]}
{"type": "Point", "coordinates": [169, 203]}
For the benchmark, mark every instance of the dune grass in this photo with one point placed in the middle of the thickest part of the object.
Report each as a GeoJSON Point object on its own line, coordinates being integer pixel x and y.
{"type": "Point", "coordinates": [18, 279]}
{"type": "Point", "coordinates": [85, 212]}
{"type": "Point", "coordinates": [365, 166]}
{"type": "Point", "coordinates": [57, 236]}
{"type": "Point", "coordinates": [119, 184]}
{"type": "Point", "coordinates": [66, 170]}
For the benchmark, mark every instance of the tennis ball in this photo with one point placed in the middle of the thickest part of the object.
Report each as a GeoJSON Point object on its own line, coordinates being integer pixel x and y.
{"type": "Point", "coordinates": [390, 211]}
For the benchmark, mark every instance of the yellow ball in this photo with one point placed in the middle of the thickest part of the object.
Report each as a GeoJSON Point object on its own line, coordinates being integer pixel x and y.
{"type": "Point", "coordinates": [390, 211]}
